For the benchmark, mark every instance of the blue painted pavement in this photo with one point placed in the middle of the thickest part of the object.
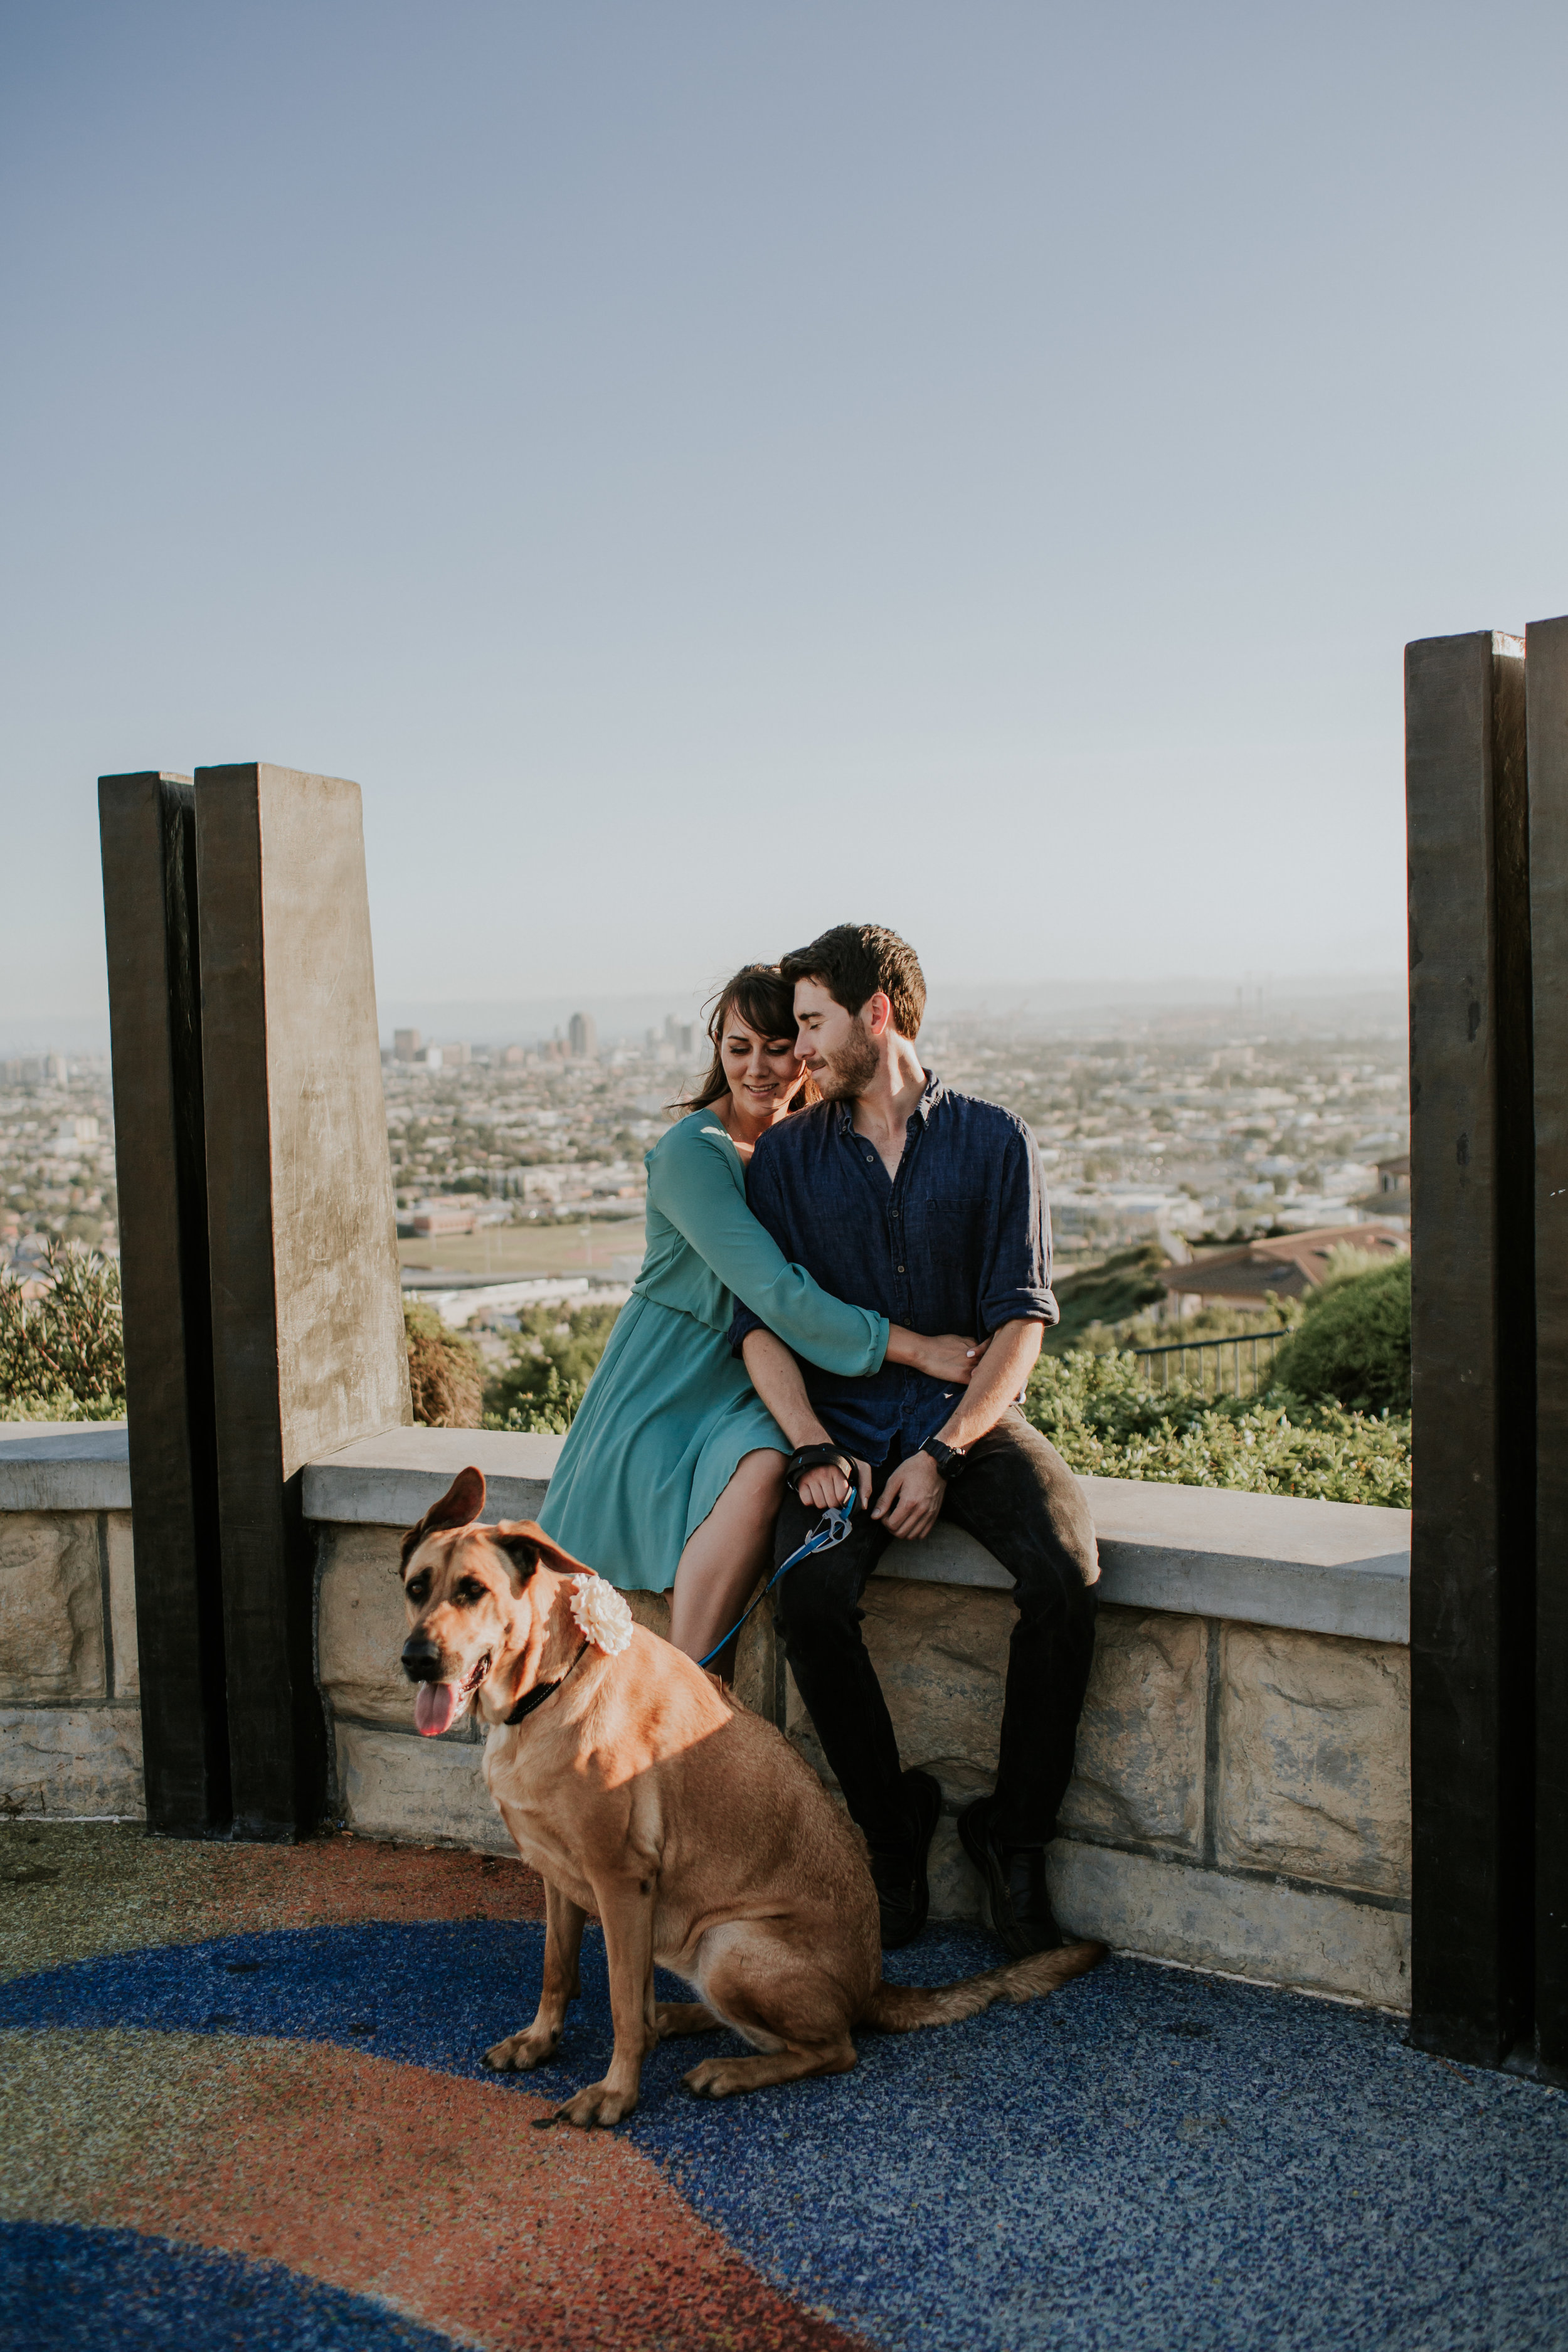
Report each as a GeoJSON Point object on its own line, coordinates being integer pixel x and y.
{"type": "Point", "coordinates": [1146, 2158]}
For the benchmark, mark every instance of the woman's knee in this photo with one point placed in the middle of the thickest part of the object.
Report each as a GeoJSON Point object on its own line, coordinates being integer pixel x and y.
{"type": "Point", "coordinates": [760, 1477]}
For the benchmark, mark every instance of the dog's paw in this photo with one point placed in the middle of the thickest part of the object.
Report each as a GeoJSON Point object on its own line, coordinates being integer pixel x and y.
{"type": "Point", "coordinates": [597, 2105]}
{"type": "Point", "coordinates": [520, 2053]}
{"type": "Point", "coordinates": [684, 2017]}
{"type": "Point", "coordinates": [718, 2078]}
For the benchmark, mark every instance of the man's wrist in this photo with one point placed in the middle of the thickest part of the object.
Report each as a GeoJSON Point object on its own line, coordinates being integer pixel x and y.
{"type": "Point", "coordinates": [951, 1460]}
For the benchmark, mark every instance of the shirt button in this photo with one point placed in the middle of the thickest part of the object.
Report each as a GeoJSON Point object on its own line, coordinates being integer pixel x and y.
{"type": "Point", "coordinates": [898, 1269]}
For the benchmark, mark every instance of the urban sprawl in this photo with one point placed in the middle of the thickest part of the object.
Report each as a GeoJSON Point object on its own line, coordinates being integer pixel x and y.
{"type": "Point", "coordinates": [1183, 1132]}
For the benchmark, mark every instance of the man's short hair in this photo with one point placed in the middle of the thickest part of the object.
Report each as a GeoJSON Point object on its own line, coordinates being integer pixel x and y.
{"type": "Point", "coordinates": [853, 961]}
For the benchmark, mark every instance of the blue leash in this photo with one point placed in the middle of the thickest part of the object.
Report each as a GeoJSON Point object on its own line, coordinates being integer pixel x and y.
{"type": "Point", "coordinates": [830, 1530]}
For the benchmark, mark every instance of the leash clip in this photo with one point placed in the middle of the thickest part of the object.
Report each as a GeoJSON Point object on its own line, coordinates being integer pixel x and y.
{"type": "Point", "coordinates": [829, 1533]}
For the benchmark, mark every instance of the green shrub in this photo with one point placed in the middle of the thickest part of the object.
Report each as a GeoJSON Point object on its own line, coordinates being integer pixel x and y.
{"type": "Point", "coordinates": [1353, 1344]}
{"type": "Point", "coordinates": [1103, 1421]}
{"type": "Point", "coordinates": [62, 1355]}
{"type": "Point", "coordinates": [534, 1400]}
{"type": "Point", "coordinates": [553, 1360]}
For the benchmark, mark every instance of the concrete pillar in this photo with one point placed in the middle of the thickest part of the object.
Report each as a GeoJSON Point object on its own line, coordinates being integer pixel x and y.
{"type": "Point", "coordinates": [147, 829]}
{"type": "Point", "coordinates": [1547, 678]}
{"type": "Point", "coordinates": [1471, 1592]}
{"type": "Point", "coordinates": [308, 1351]}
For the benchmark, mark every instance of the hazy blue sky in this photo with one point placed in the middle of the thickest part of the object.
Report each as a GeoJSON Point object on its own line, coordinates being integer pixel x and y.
{"type": "Point", "coordinates": [711, 470]}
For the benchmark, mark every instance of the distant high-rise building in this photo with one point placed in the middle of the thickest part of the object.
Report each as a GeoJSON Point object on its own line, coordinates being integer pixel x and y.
{"type": "Point", "coordinates": [455, 1057]}
{"type": "Point", "coordinates": [584, 1038]}
{"type": "Point", "coordinates": [406, 1044]}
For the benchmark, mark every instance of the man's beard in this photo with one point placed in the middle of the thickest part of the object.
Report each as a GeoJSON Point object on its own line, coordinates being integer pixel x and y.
{"type": "Point", "coordinates": [850, 1070]}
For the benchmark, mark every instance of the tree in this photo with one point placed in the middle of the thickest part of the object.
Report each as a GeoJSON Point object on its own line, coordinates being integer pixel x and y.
{"type": "Point", "coordinates": [1353, 1344]}
{"type": "Point", "coordinates": [62, 1355]}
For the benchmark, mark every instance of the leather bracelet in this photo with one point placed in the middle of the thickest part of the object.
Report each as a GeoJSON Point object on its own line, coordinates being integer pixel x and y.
{"type": "Point", "coordinates": [816, 1457]}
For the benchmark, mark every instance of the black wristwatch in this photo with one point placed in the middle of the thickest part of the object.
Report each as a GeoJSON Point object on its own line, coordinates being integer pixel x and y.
{"type": "Point", "coordinates": [952, 1461]}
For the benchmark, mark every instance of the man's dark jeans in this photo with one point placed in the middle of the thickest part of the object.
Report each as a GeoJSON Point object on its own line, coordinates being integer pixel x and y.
{"type": "Point", "coordinates": [1019, 1499]}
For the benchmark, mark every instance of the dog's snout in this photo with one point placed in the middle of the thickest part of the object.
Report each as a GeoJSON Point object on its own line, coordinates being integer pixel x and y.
{"type": "Point", "coordinates": [421, 1658]}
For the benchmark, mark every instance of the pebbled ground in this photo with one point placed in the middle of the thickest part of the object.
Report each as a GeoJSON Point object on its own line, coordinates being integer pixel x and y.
{"type": "Point", "coordinates": [278, 2133]}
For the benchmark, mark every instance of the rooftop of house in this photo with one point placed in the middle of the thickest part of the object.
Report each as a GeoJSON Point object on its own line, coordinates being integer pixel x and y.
{"type": "Point", "coordinates": [1288, 1266]}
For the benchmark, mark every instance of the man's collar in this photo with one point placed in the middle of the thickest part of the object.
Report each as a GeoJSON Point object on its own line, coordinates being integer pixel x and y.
{"type": "Point", "coordinates": [935, 1092]}
{"type": "Point", "coordinates": [932, 1093]}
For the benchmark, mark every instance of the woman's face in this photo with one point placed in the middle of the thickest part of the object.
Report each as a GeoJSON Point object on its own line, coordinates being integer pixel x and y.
{"type": "Point", "coordinates": [764, 1074]}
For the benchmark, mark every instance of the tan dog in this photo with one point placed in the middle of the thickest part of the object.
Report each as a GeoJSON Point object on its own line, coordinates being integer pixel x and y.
{"type": "Point", "coordinates": [640, 1790]}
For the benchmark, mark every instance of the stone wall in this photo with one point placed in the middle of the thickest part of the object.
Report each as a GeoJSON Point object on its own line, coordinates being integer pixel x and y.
{"type": "Point", "coordinates": [1241, 1799]}
{"type": "Point", "coordinates": [1228, 1776]}
{"type": "Point", "coordinates": [70, 1719]}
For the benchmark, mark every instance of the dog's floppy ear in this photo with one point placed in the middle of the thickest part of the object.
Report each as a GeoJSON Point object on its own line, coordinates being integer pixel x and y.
{"type": "Point", "coordinates": [526, 1544]}
{"type": "Point", "coordinates": [459, 1506]}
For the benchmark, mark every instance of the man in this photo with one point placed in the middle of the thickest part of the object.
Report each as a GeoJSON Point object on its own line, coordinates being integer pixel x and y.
{"type": "Point", "coordinates": [896, 1194]}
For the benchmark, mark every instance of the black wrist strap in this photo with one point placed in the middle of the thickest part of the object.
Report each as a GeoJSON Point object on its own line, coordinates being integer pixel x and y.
{"type": "Point", "coordinates": [949, 1460]}
{"type": "Point", "coordinates": [816, 1457]}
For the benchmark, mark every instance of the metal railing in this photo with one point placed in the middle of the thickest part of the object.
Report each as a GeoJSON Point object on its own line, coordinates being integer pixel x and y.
{"type": "Point", "coordinates": [1239, 1366]}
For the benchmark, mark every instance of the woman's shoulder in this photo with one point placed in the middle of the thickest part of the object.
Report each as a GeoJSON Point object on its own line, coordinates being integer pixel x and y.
{"type": "Point", "coordinates": [685, 1143]}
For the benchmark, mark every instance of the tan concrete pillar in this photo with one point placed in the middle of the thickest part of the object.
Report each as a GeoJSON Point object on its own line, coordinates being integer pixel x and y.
{"type": "Point", "coordinates": [308, 1342]}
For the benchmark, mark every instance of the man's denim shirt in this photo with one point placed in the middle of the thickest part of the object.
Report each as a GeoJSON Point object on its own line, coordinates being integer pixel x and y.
{"type": "Point", "coordinates": [959, 1242]}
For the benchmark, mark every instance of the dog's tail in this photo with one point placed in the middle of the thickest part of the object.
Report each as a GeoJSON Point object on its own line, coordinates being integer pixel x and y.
{"type": "Point", "coordinates": [898, 2008]}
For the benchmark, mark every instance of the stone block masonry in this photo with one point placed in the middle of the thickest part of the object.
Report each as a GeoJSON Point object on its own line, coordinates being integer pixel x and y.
{"type": "Point", "coordinates": [1241, 1800]}
{"type": "Point", "coordinates": [70, 1718]}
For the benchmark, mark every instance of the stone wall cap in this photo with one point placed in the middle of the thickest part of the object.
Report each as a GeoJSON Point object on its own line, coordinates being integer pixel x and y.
{"type": "Point", "coordinates": [1293, 1528]}
{"type": "Point", "coordinates": [64, 1465]}
{"type": "Point", "coordinates": [1208, 1551]}
{"type": "Point", "coordinates": [392, 1480]}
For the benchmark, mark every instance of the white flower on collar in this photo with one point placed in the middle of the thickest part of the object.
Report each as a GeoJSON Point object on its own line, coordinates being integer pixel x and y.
{"type": "Point", "coordinates": [601, 1613]}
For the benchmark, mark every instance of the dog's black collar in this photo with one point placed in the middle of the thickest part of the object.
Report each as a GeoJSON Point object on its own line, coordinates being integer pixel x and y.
{"type": "Point", "coordinates": [540, 1692]}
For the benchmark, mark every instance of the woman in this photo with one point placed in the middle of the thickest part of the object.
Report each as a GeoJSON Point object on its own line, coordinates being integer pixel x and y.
{"type": "Point", "coordinates": [672, 1471]}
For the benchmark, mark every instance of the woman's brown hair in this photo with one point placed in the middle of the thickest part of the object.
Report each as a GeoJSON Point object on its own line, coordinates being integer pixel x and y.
{"type": "Point", "coordinates": [765, 1002]}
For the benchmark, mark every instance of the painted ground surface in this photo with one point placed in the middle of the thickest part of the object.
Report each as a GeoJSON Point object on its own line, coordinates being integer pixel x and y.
{"type": "Point", "coordinates": [244, 2107]}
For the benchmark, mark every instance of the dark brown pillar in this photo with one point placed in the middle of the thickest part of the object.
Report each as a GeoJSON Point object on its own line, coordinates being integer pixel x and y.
{"type": "Point", "coordinates": [1547, 675]}
{"type": "Point", "coordinates": [147, 828]}
{"type": "Point", "coordinates": [1471, 1595]}
{"type": "Point", "coordinates": [308, 1345]}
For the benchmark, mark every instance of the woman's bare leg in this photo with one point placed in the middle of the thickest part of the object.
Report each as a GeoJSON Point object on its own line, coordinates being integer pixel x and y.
{"type": "Point", "coordinates": [725, 1557]}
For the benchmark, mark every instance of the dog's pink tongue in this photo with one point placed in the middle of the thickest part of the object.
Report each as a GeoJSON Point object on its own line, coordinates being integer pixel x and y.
{"type": "Point", "coordinates": [435, 1705]}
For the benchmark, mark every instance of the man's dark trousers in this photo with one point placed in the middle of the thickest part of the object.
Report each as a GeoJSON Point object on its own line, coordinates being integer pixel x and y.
{"type": "Point", "coordinates": [1017, 1498]}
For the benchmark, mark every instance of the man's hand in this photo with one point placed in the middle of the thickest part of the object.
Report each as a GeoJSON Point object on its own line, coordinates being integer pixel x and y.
{"type": "Point", "coordinates": [911, 1500]}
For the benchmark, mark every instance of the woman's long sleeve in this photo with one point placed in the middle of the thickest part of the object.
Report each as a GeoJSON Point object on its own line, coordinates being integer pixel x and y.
{"type": "Point", "coordinates": [695, 1181]}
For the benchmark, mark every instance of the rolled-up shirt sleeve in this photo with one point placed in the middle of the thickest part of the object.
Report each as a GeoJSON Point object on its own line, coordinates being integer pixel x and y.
{"type": "Point", "coordinates": [743, 1322]}
{"type": "Point", "coordinates": [1015, 1269]}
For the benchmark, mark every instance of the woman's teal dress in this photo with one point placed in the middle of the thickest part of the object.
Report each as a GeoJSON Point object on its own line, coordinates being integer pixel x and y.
{"type": "Point", "coordinates": [669, 1412]}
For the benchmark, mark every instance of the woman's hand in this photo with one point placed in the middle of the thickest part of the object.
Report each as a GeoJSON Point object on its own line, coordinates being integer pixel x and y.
{"type": "Point", "coordinates": [826, 1489]}
{"type": "Point", "coordinates": [951, 1359]}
